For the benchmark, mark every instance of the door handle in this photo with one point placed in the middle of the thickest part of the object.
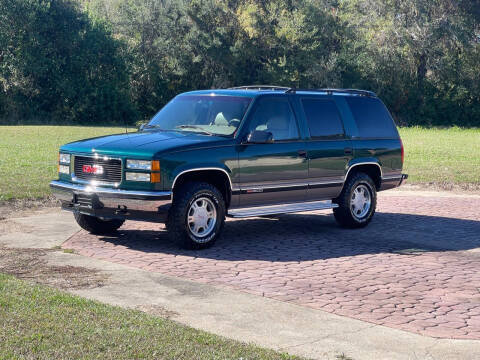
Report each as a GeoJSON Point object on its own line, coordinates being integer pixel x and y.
{"type": "Point", "coordinates": [302, 153]}
{"type": "Point", "coordinates": [348, 151]}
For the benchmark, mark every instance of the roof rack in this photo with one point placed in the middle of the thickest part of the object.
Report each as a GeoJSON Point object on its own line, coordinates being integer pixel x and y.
{"type": "Point", "coordinates": [261, 87]}
{"type": "Point", "coordinates": [293, 90]}
{"type": "Point", "coordinates": [338, 91]}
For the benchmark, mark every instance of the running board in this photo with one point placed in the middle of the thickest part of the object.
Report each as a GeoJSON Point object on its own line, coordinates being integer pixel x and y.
{"type": "Point", "coordinates": [281, 209]}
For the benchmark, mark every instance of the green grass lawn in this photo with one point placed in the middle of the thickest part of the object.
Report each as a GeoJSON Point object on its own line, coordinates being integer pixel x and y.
{"type": "Point", "coordinates": [28, 156]}
{"type": "Point", "coordinates": [442, 156]}
{"type": "Point", "coordinates": [37, 322]}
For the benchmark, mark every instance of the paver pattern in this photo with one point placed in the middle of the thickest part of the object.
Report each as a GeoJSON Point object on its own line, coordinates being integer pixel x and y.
{"type": "Point", "coordinates": [413, 268]}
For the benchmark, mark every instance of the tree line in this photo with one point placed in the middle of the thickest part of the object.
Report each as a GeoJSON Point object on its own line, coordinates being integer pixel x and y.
{"type": "Point", "coordinates": [119, 61]}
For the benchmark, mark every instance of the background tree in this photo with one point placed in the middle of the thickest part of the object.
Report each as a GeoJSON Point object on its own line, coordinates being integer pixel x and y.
{"type": "Point", "coordinates": [56, 64]}
{"type": "Point", "coordinates": [410, 52]}
{"type": "Point", "coordinates": [116, 60]}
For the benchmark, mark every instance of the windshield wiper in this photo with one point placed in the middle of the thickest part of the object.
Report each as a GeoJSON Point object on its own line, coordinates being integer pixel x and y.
{"type": "Point", "coordinates": [195, 127]}
{"type": "Point", "coordinates": [152, 126]}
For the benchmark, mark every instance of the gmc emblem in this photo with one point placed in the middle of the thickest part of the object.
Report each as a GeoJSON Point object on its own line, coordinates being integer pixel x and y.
{"type": "Point", "coordinates": [92, 169]}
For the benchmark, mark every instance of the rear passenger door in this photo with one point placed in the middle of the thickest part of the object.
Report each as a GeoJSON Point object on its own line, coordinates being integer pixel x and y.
{"type": "Point", "coordinates": [328, 148]}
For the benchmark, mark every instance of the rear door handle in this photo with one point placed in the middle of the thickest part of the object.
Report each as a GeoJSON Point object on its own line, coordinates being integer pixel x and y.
{"type": "Point", "coordinates": [302, 153]}
{"type": "Point", "coordinates": [348, 151]}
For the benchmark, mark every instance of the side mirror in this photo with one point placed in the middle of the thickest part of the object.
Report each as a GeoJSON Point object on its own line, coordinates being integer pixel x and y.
{"type": "Point", "coordinates": [260, 137]}
{"type": "Point", "coordinates": [141, 127]}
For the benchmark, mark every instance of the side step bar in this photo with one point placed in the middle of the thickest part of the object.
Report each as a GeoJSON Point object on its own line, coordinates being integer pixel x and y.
{"type": "Point", "coordinates": [281, 209]}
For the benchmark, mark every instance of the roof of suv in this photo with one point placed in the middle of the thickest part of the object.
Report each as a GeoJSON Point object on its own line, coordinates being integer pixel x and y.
{"type": "Point", "coordinates": [254, 90]}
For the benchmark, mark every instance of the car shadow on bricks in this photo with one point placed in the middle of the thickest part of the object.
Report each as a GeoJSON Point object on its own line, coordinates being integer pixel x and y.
{"type": "Point", "coordinates": [301, 237]}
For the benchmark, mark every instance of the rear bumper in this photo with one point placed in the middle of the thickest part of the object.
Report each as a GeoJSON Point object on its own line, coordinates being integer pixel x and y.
{"type": "Point", "coordinates": [392, 181]}
{"type": "Point", "coordinates": [113, 203]}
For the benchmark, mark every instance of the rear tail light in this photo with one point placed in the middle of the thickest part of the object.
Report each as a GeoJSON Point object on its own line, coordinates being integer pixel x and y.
{"type": "Point", "coordinates": [403, 151]}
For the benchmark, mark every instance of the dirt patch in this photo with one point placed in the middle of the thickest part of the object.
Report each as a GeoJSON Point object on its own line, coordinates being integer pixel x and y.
{"type": "Point", "coordinates": [30, 264]}
{"type": "Point", "coordinates": [8, 226]}
{"type": "Point", "coordinates": [157, 310]}
{"type": "Point", "coordinates": [25, 207]}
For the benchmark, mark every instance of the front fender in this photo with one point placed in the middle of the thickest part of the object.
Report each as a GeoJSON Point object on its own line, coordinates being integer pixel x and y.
{"type": "Point", "coordinates": [223, 159]}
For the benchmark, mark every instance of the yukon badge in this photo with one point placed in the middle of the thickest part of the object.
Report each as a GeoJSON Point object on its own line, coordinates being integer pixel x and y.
{"type": "Point", "coordinates": [92, 169]}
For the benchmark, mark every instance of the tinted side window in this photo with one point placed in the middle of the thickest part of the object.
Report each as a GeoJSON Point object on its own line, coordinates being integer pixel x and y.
{"type": "Point", "coordinates": [323, 119]}
{"type": "Point", "coordinates": [275, 116]}
{"type": "Point", "coordinates": [372, 118]}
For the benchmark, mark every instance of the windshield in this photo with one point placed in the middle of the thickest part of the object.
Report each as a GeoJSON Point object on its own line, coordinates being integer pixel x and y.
{"type": "Point", "coordinates": [212, 115]}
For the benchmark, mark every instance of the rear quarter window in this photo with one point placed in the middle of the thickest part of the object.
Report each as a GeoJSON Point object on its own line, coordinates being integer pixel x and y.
{"type": "Point", "coordinates": [323, 118]}
{"type": "Point", "coordinates": [372, 118]}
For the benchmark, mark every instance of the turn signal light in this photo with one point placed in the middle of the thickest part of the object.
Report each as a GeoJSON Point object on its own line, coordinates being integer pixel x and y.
{"type": "Point", "coordinates": [155, 165]}
{"type": "Point", "coordinates": [155, 177]}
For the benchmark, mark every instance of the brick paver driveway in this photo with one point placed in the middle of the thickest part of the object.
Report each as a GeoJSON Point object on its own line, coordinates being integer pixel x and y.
{"type": "Point", "coordinates": [414, 268]}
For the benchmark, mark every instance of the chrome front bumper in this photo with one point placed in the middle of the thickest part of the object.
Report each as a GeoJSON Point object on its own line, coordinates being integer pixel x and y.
{"type": "Point", "coordinates": [112, 203]}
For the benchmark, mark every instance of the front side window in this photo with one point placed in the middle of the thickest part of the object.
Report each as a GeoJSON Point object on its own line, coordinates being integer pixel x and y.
{"type": "Point", "coordinates": [323, 119]}
{"type": "Point", "coordinates": [216, 115]}
{"type": "Point", "coordinates": [276, 117]}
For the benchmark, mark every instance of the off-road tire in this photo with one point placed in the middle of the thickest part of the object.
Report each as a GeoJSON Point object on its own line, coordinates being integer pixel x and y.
{"type": "Point", "coordinates": [177, 225]}
{"type": "Point", "coordinates": [97, 226]}
{"type": "Point", "coordinates": [343, 214]}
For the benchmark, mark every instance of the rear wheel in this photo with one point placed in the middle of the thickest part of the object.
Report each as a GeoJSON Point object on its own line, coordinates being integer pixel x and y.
{"type": "Point", "coordinates": [357, 202]}
{"type": "Point", "coordinates": [196, 218]}
{"type": "Point", "coordinates": [96, 225]}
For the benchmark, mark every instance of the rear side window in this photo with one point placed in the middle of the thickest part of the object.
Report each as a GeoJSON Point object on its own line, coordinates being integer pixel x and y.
{"type": "Point", "coordinates": [323, 119]}
{"type": "Point", "coordinates": [372, 118]}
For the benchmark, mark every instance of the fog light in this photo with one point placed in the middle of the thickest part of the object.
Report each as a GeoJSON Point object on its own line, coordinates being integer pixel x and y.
{"type": "Point", "coordinates": [64, 169]}
{"type": "Point", "coordinates": [130, 176]}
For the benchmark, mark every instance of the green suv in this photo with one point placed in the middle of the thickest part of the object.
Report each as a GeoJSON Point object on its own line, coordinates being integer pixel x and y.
{"type": "Point", "coordinates": [241, 152]}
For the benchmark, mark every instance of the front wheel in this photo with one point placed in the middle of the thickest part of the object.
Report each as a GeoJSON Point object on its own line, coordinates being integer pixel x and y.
{"type": "Point", "coordinates": [96, 225]}
{"type": "Point", "coordinates": [196, 218]}
{"type": "Point", "coordinates": [357, 202]}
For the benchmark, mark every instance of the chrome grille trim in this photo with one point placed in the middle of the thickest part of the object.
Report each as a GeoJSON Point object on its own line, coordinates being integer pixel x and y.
{"type": "Point", "coordinates": [113, 169]}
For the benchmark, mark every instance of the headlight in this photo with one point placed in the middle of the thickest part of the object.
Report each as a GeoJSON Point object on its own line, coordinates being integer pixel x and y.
{"type": "Point", "coordinates": [64, 158]}
{"type": "Point", "coordinates": [137, 176]}
{"type": "Point", "coordinates": [139, 164]}
{"type": "Point", "coordinates": [64, 169]}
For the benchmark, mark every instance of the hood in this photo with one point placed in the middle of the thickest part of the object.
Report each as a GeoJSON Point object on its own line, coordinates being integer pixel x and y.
{"type": "Point", "coordinates": [142, 144]}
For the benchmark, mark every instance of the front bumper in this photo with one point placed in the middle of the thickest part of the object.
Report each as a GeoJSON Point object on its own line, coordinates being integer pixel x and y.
{"type": "Point", "coordinates": [113, 203]}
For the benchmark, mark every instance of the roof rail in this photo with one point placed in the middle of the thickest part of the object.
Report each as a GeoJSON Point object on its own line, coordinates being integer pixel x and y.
{"type": "Point", "coordinates": [261, 87]}
{"type": "Point", "coordinates": [338, 91]}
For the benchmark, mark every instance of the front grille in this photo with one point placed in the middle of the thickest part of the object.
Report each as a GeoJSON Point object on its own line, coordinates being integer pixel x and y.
{"type": "Point", "coordinates": [112, 169]}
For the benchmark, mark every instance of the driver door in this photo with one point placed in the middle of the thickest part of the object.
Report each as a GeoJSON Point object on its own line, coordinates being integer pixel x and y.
{"type": "Point", "coordinates": [273, 172]}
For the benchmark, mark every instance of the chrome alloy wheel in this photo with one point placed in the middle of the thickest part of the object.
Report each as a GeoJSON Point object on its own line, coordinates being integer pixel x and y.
{"type": "Point", "coordinates": [361, 201]}
{"type": "Point", "coordinates": [201, 217]}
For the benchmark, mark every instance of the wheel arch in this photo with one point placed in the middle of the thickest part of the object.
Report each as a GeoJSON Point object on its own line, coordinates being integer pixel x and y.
{"type": "Point", "coordinates": [216, 176]}
{"type": "Point", "coordinates": [371, 168]}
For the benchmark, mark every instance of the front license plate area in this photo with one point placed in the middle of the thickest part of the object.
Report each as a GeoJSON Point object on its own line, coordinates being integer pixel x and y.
{"type": "Point", "coordinates": [87, 201]}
